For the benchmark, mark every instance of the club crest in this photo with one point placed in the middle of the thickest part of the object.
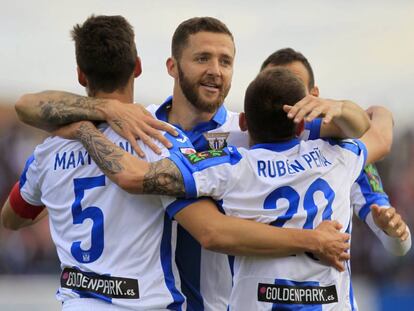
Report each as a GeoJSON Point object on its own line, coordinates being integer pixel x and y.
{"type": "Point", "coordinates": [216, 141]}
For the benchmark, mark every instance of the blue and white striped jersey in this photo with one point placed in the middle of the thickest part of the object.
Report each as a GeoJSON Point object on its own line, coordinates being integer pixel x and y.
{"type": "Point", "coordinates": [206, 276]}
{"type": "Point", "coordinates": [112, 245]}
{"type": "Point", "coordinates": [290, 184]}
{"type": "Point", "coordinates": [367, 190]}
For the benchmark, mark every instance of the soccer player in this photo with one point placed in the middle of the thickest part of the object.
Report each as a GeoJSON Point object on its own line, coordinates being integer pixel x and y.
{"type": "Point", "coordinates": [369, 201]}
{"type": "Point", "coordinates": [202, 66]}
{"type": "Point", "coordinates": [280, 181]}
{"type": "Point", "coordinates": [115, 247]}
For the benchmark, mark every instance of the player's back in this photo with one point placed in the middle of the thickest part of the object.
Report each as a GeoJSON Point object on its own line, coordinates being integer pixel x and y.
{"type": "Point", "coordinates": [293, 184]}
{"type": "Point", "coordinates": [112, 245]}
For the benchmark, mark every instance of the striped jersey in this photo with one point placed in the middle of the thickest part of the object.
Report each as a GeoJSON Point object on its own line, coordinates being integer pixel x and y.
{"type": "Point", "coordinates": [206, 278]}
{"type": "Point", "coordinates": [295, 184]}
{"type": "Point", "coordinates": [112, 245]}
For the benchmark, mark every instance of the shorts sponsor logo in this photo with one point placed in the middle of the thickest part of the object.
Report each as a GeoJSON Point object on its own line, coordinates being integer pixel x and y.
{"type": "Point", "coordinates": [296, 294]}
{"type": "Point", "coordinates": [200, 156]}
{"type": "Point", "coordinates": [109, 286]}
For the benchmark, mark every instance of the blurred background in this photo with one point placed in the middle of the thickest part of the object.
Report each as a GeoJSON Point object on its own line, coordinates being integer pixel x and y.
{"type": "Point", "coordinates": [363, 51]}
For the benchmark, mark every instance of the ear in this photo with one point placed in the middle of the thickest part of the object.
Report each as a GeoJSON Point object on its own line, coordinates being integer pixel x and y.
{"type": "Point", "coordinates": [82, 78]}
{"type": "Point", "coordinates": [314, 91]}
{"type": "Point", "coordinates": [242, 122]}
{"type": "Point", "coordinates": [138, 68]}
{"type": "Point", "coordinates": [172, 67]}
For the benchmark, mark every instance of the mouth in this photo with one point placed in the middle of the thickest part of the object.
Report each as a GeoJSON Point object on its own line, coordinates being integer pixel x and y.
{"type": "Point", "coordinates": [211, 87]}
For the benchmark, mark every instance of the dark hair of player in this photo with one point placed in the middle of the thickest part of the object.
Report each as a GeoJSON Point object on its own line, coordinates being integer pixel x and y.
{"type": "Point", "coordinates": [263, 105]}
{"type": "Point", "coordinates": [192, 26]}
{"type": "Point", "coordinates": [105, 52]}
{"type": "Point", "coordinates": [286, 56]}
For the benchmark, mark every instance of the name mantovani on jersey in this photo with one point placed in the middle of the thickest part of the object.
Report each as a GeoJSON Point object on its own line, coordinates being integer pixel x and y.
{"type": "Point", "coordinates": [294, 184]}
{"type": "Point", "coordinates": [112, 245]}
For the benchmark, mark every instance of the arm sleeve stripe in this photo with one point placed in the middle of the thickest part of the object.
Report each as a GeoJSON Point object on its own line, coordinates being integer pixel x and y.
{"type": "Point", "coordinates": [21, 207]}
{"type": "Point", "coordinates": [178, 205]}
{"type": "Point", "coordinates": [189, 182]}
{"type": "Point", "coordinates": [26, 167]}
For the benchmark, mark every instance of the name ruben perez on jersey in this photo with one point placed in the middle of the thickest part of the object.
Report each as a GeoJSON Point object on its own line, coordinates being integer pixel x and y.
{"type": "Point", "coordinates": [72, 159]}
{"type": "Point", "coordinates": [280, 168]}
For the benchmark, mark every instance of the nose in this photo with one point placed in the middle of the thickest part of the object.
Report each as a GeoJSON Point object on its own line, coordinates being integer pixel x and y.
{"type": "Point", "coordinates": [214, 68]}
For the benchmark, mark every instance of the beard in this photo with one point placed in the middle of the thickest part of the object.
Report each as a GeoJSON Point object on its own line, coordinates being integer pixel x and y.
{"type": "Point", "coordinates": [191, 92]}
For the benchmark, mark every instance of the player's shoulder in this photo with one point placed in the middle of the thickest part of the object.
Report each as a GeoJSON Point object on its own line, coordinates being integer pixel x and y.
{"type": "Point", "coordinates": [229, 120]}
{"type": "Point", "coordinates": [152, 108]}
{"type": "Point", "coordinates": [212, 158]}
{"type": "Point", "coordinates": [354, 146]}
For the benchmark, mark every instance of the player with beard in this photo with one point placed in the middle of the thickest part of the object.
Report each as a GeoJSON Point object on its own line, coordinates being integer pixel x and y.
{"type": "Point", "coordinates": [202, 66]}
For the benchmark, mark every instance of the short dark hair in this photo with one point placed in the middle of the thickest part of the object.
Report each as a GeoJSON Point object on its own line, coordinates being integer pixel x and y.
{"type": "Point", "coordinates": [263, 104]}
{"type": "Point", "coordinates": [105, 52]}
{"type": "Point", "coordinates": [192, 26]}
{"type": "Point", "coordinates": [286, 56]}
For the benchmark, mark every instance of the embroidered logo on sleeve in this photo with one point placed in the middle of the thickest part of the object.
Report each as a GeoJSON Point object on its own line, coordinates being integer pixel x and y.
{"type": "Point", "coordinates": [204, 155]}
{"type": "Point", "coordinates": [373, 178]}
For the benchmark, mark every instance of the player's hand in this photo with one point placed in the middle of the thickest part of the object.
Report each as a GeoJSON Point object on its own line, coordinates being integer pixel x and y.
{"type": "Point", "coordinates": [388, 220]}
{"type": "Point", "coordinates": [311, 107]}
{"type": "Point", "coordinates": [133, 121]}
{"type": "Point", "coordinates": [333, 244]}
{"type": "Point", "coordinates": [73, 130]}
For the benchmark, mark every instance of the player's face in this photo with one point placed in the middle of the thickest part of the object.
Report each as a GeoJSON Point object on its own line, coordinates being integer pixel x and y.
{"type": "Point", "coordinates": [205, 69]}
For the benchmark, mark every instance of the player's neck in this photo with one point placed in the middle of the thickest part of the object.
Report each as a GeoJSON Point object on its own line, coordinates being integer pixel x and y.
{"type": "Point", "coordinates": [184, 114]}
{"type": "Point", "coordinates": [124, 95]}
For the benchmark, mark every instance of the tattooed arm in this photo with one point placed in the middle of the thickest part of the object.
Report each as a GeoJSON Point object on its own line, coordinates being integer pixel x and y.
{"type": "Point", "coordinates": [128, 172]}
{"type": "Point", "coordinates": [51, 109]}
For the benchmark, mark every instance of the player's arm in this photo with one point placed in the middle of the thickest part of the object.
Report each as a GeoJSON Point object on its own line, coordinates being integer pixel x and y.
{"type": "Point", "coordinates": [128, 172]}
{"type": "Point", "coordinates": [51, 109]}
{"type": "Point", "coordinates": [17, 213]}
{"type": "Point", "coordinates": [393, 231]}
{"type": "Point", "coordinates": [378, 139]}
{"type": "Point", "coordinates": [370, 204]}
{"type": "Point", "coordinates": [231, 235]}
{"type": "Point", "coordinates": [341, 118]}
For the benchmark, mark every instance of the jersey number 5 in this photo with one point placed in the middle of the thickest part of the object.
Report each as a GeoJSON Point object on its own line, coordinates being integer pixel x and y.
{"type": "Point", "coordinates": [91, 212]}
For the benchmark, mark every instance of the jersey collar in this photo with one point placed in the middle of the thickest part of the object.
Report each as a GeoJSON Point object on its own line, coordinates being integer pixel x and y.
{"type": "Point", "coordinates": [281, 146]}
{"type": "Point", "coordinates": [162, 113]}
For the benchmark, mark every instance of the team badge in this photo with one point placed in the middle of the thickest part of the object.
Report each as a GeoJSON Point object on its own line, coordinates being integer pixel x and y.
{"type": "Point", "coordinates": [201, 156]}
{"type": "Point", "coordinates": [373, 178]}
{"type": "Point", "coordinates": [216, 140]}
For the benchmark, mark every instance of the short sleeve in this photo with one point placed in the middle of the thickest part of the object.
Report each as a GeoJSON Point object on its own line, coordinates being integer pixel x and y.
{"type": "Point", "coordinates": [355, 155]}
{"type": "Point", "coordinates": [208, 173]}
{"type": "Point", "coordinates": [368, 190]}
{"type": "Point", "coordinates": [28, 184]}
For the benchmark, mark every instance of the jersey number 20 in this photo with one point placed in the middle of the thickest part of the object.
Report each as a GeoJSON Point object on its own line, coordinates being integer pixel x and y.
{"type": "Point", "coordinates": [309, 204]}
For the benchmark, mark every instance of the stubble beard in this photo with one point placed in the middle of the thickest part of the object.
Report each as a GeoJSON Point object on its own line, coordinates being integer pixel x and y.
{"type": "Point", "coordinates": [190, 91]}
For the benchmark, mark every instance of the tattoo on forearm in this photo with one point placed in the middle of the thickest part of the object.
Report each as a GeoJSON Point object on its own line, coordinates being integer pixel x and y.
{"type": "Point", "coordinates": [68, 109]}
{"type": "Point", "coordinates": [118, 124]}
{"type": "Point", "coordinates": [164, 178]}
{"type": "Point", "coordinates": [105, 154]}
